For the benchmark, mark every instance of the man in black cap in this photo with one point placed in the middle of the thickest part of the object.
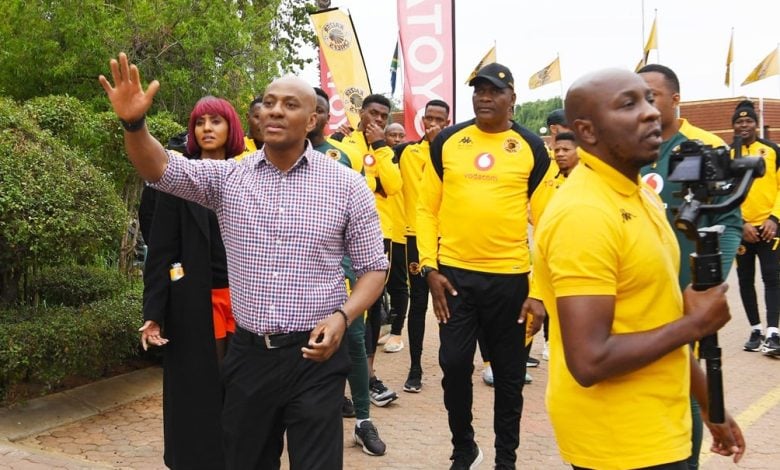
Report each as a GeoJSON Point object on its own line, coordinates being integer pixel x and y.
{"type": "Point", "coordinates": [472, 238]}
{"type": "Point", "coordinates": [760, 213]}
{"type": "Point", "coordinates": [556, 122]}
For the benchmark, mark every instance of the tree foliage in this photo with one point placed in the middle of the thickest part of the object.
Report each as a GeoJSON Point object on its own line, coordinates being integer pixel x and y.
{"type": "Point", "coordinates": [533, 114]}
{"type": "Point", "coordinates": [54, 204]}
{"type": "Point", "coordinates": [230, 49]}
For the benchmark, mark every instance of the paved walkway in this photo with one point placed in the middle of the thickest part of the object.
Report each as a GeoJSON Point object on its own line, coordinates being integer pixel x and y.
{"type": "Point", "coordinates": [88, 427]}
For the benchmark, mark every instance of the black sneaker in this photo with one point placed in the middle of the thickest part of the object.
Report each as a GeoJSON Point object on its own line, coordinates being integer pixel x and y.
{"type": "Point", "coordinates": [367, 436]}
{"type": "Point", "coordinates": [754, 342]}
{"type": "Point", "coordinates": [379, 394]}
{"type": "Point", "coordinates": [347, 408]}
{"type": "Point", "coordinates": [532, 362]}
{"type": "Point", "coordinates": [413, 382]}
{"type": "Point", "coordinates": [468, 461]}
{"type": "Point", "coordinates": [771, 346]}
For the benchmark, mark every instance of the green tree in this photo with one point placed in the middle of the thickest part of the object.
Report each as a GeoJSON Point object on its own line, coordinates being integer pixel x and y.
{"type": "Point", "coordinates": [55, 206]}
{"type": "Point", "coordinates": [533, 114]}
{"type": "Point", "coordinates": [231, 48]}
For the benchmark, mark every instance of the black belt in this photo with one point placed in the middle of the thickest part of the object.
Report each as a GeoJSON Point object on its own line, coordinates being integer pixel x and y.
{"type": "Point", "coordinates": [276, 340]}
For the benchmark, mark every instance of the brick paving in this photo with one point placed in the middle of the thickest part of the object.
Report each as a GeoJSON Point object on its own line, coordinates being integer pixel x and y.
{"type": "Point", "coordinates": [415, 427]}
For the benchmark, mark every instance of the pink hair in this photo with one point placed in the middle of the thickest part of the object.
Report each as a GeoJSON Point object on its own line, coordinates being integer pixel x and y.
{"type": "Point", "coordinates": [213, 105]}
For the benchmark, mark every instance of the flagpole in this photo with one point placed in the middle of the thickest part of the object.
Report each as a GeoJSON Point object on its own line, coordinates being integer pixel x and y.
{"type": "Point", "coordinates": [558, 58]}
{"type": "Point", "coordinates": [657, 47]}
{"type": "Point", "coordinates": [643, 27]}
{"type": "Point", "coordinates": [731, 69]}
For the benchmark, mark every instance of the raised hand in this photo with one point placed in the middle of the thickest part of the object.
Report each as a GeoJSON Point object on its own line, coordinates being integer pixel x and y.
{"type": "Point", "coordinates": [127, 96]}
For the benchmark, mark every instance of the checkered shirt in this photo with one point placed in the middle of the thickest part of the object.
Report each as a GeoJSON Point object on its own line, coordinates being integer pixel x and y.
{"type": "Point", "coordinates": [284, 232]}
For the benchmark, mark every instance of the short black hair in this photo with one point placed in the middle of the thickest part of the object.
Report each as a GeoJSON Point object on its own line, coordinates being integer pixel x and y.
{"type": "Point", "coordinates": [669, 75]}
{"type": "Point", "coordinates": [565, 136]}
{"type": "Point", "coordinates": [375, 98]}
{"type": "Point", "coordinates": [320, 92]}
{"type": "Point", "coordinates": [439, 103]}
{"type": "Point", "coordinates": [255, 101]}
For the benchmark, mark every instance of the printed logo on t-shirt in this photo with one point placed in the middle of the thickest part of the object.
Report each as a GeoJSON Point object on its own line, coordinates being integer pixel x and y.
{"type": "Point", "coordinates": [333, 153]}
{"type": "Point", "coordinates": [484, 161]}
{"type": "Point", "coordinates": [655, 181]}
{"type": "Point", "coordinates": [512, 145]}
{"type": "Point", "coordinates": [369, 160]}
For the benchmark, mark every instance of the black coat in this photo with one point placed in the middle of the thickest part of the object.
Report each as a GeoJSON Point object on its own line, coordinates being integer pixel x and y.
{"type": "Point", "coordinates": [192, 391]}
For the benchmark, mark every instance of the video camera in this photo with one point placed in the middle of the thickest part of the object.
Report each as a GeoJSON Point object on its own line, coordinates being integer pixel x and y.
{"type": "Point", "coordinates": [711, 182]}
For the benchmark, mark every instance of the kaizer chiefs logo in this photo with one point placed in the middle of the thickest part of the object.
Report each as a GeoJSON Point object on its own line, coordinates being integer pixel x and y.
{"type": "Point", "coordinates": [354, 99]}
{"type": "Point", "coordinates": [333, 153]}
{"type": "Point", "coordinates": [414, 268]}
{"type": "Point", "coordinates": [741, 250]}
{"type": "Point", "coordinates": [511, 145]}
{"type": "Point", "coordinates": [336, 35]}
{"type": "Point", "coordinates": [762, 152]}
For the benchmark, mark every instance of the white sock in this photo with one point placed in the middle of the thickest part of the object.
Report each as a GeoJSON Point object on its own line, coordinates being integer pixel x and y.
{"type": "Point", "coordinates": [358, 422]}
{"type": "Point", "coordinates": [772, 330]}
{"type": "Point", "coordinates": [757, 327]}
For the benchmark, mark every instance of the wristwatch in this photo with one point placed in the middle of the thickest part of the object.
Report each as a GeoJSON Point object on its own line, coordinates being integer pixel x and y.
{"type": "Point", "coordinates": [425, 270]}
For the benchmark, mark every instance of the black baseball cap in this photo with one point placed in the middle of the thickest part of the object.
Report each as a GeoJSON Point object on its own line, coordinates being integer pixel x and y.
{"type": "Point", "coordinates": [556, 116]}
{"type": "Point", "coordinates": [497, 74]}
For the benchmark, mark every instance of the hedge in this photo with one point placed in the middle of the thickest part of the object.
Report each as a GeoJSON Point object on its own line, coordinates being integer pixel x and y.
{"type": "Point", "coordinates": [74, 285]}
{"type": "Point", "coordinates": [45, 345]}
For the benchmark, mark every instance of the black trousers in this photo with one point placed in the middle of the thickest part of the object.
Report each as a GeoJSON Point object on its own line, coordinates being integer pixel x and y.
{"type": "Point", "coordinates": [681, 465]}
{"type": "Point", "coordinates": [272, 391]}
{"type": "Point", "coordinates": [374, 318]}
{"type": "Point", "coordinates": [418, 303]}
{"type": "Point", "coordinates": [770, 273]}
{"type": "Point", "coordinates": [490, 303]}
{"type": "Point", "coordinates": [398, 288]}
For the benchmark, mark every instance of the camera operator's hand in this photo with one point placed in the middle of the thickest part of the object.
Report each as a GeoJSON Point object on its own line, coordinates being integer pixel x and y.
{"type": "Point", "coordinates": [708, 310]}
{"type": "Point", "coordinates": [768, 230]}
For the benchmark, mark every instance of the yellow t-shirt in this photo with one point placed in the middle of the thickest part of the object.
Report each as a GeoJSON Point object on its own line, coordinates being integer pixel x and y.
{"type": "Point", "coordinates": [476, 191]}
{"type": "Point", "coordinates": [763, 199]}
{"type": "Point", "coordinates": [382, 175]}
{"type": "Point", "coordinates": [413, 159]}
{"type": "Point", "coordinates": [552, 180]}
{"type": "Point", "coordinates": [606, 235]}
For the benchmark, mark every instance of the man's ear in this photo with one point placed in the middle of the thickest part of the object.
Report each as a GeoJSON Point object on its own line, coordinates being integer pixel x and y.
{"type": "Point", "coordinates": [312, 122]}
{"type": "Point", "coordinates": [585, 132]}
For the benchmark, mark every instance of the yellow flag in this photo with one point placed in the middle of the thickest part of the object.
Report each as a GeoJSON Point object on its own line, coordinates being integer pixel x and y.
{"type": "Point", "coordinates": [549, 74]}
{"type": "Point", "coordinates": [652, 40]}
{"type": "Point", "coordinates": [729, 59]}
{"type": "Point", "coordinates": [489, 58]}
{"type": "Point", "coordinates": [339, 44]}
{"type": "Point", "coordinates": [767, 68]}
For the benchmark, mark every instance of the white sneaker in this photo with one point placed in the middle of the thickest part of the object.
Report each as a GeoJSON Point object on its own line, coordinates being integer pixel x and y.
{"type": "Point", "coordinates": [383, 339]}
{"type": "Point", "coordinates": [546, 352]}
{"type": "Point", "coordinates": [394, 344]}
{"type": "Point", "coordinates": [487, 375]}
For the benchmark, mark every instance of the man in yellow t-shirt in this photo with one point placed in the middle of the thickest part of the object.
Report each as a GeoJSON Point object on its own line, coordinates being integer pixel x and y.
{"type": "Point", "coordinates": [620, 365]}
{"type": "Point", "coordinates": [760, 216]}
{"type": "Point", "coordinates": [472, 219]}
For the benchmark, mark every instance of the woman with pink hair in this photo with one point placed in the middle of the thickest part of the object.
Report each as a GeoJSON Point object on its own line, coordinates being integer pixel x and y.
{"type": "Point", "coordinates": [187, 300]}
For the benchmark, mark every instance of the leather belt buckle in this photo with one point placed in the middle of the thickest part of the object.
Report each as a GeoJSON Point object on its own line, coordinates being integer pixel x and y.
{"type": "Point", "coordinates": [268, 345]}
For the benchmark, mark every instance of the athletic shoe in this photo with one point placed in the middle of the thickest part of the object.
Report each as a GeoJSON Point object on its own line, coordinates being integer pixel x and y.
{"type": "Point", "coordinates": [468, 461]}
{"type": "Point", "coordinates": [367, 436]}
{"type": "Point", "coordinates": [771, 346]}
{"type": "Point", "coordinates": [532, 362]}
{"type": "Point", "coordinates": [528, 378]}
{"type": "Point", "coordinates": [347, 408]}
{"type": "Point", "coordinates": [546, 352]}
{"type": "Point", "coordinates": [383, 339]}
{"type": "Point", "coordinates": [394, 344]}
{"type": "Point", "coordinates": [487, 375]}
{"type": "Point", "coordinates": [754, 342]}
{"type": "Point", "coordinates": [413, 382]}
{"type": "Point", "coordinates": [379, 394]}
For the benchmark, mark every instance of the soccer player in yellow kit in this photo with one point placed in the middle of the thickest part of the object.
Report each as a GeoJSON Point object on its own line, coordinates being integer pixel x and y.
{"type": "Point", "coordinates": [368, 145]}
{"type": "Point", "coordinates": [760, 213]}
{"type": "Point", "coordinates": [606, 262]}
{"type": "Point", "coordinates": [474, 195]}
{"type": "Point", "coordinates": [412, 158]}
